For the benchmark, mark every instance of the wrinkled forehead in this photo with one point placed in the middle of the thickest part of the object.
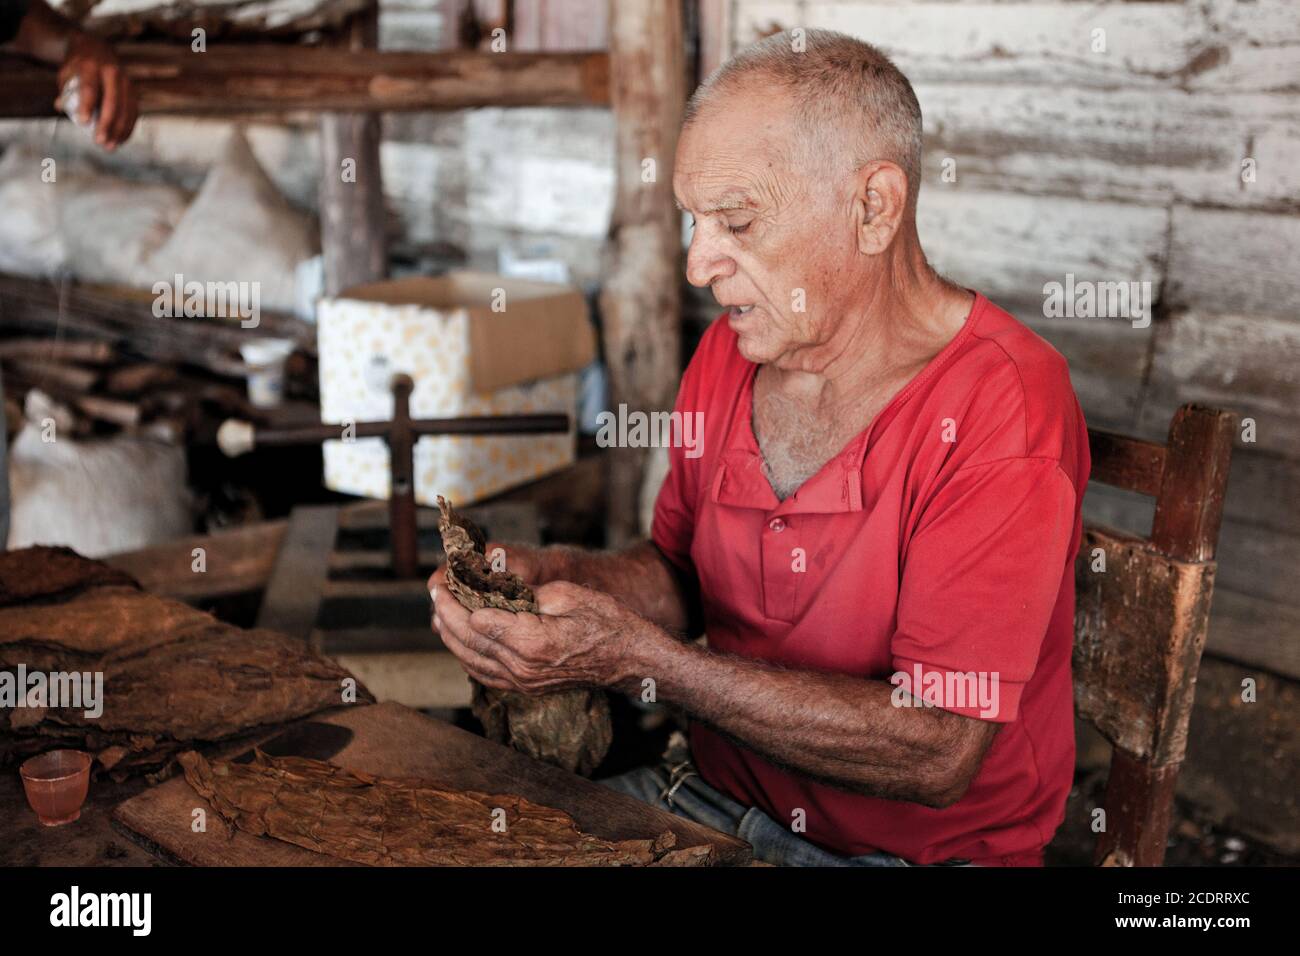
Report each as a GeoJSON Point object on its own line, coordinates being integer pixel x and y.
{"type": "Point", "coordinates": [741, 141]}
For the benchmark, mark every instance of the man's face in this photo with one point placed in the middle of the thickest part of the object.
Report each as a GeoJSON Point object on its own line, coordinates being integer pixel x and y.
{"type": "Point", "coordinates": [775, 243]}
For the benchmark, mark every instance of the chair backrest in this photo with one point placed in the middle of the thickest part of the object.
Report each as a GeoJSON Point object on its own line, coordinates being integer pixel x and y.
{"type": "Point", "coordinates": [1141, 615]}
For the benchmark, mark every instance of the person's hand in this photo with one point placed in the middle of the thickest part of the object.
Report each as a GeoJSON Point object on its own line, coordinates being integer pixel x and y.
{"type": "Point", "coordinates": [580, 638]}
{"type": "Point", "coordinates": [518, 558]}
{"type": "Point", "coordinates": [103, 86]}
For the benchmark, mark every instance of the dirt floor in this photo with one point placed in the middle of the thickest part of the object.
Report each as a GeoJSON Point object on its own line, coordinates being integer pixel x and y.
{"type": "Point", "coordinates": [1194, 839]}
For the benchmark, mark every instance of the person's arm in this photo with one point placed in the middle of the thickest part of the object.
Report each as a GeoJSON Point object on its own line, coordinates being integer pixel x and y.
{"type": "Point", "coordinates": [841, 729]}
{"type": "Point", "coordinates": [104, 87]}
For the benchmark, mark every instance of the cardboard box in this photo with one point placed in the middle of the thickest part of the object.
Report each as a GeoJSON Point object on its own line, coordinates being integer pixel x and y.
{"type": "Point", "coordinates": [475, 344]}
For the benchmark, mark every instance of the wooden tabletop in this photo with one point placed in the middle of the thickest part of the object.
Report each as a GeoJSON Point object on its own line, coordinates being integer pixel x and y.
{"type": "Point", "coordinates": [395, 741]}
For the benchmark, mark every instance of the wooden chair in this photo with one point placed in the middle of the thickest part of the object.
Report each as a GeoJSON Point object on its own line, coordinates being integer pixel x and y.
{"type": "Point", "coordinates": [1140, 624]}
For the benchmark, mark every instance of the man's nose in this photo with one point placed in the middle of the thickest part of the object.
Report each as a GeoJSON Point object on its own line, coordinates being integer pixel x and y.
{"type": "Point", "coordinates": [705, 262]}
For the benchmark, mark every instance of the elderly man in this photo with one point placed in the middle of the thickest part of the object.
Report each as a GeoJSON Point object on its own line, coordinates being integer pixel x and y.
{"type": "Point", "coordinates": [880, 531]}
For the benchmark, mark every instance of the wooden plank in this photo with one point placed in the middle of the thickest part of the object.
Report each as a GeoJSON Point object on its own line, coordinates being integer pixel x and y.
{"type": "Point", "coordinates": [1037, 42]}
{"type": "Point", "coordinates": [1140, 626]}
{"type": "Point", "coordinates": [1148, 146]}
{"type": "Point", "coordinates": [391, 740]}
{"type": "Point", "coordinates": [267, 78]}
{"type": "Point", "coordinates": [236, 561]}
{"type": "Point", "coordinates": [714, 36]}
{"type": "Point", "coordinates": [1009, 245]}
{"type": "Point", "coordinates": [422, 679]}
{"type": "Point", "coordinates": [1128, 463]}
{"type": "Point", "coordinates": [1233, 262]}
{"type": "Point", "coordinates": [351, 197]}
{"type": "Point", "coordinates": [1255, 631]}
{"type": "Point", "coordinates": [562, 25]}
{"type": "Point", "coordinates": [1139, 802]}
{"type": "Point", "coordinates": [1247, 363]}
{"type": "Point", "coordinates": [1255, 562]}
{"type": "Point", "coordinates": [1189, 507]}
{"type": "Point", "coordinates": [1191, 46]}
{"type": "Point", "coordinates": [227, 20]}
{"type": "Point", "coordinates": [641, 302]}
{"type": "Point", "coordinates": [294, 591]}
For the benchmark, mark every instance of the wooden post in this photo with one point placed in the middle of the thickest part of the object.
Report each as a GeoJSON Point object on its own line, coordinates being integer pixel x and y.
{"type": "Point", "coordinates": [352, 190]}
{"type": "Point", "coordinates": [640, 303]}
{"type": "Point", "coordinates": [401, 495]}
{"type": "Point", "coordinates": [1189, 507]}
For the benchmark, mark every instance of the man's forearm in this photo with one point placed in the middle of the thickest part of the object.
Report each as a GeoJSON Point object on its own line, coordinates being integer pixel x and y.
{"type": "Point", "coordinates": [838, 728]}
{"type": "Point", "coordinates": [639, 576]}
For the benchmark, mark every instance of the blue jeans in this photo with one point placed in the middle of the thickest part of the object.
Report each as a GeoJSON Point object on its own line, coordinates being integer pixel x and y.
{"type": "Point", "coordinates": [692, 798]}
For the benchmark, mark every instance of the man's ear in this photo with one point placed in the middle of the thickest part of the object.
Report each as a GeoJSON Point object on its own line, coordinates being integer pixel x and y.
{"type": "Point", "coordinates": [879, 205]}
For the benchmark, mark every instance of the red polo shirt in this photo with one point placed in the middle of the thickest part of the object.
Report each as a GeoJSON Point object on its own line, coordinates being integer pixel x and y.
{"type": "Point", "coordinates": [942, 538]}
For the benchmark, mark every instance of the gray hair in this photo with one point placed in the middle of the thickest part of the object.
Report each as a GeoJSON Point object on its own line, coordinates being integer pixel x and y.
{"type": "Point", "coordinates": [854, 104]}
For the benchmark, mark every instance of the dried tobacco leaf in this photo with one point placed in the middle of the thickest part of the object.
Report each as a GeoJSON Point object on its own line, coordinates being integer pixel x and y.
{"type": "Point", "coordinates": [39, 573]}
{"type": "Point", "coordinates": [173, 676]}
{"type": "Point", "coordinates": [569, 728]}
{"type": "Point", "coordinates": [387, 821]}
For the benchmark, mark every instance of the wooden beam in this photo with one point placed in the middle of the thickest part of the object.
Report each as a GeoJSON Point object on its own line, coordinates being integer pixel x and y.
{"type": "Point", "coordinates": [293, 594]}
{"type": "Point", "coordinates": [1190, 506]}
{"type": "Point", "coordinates": [271, 78]}
{"type": "Point", "coordinates": [641, 303]}
{"type": "Point", "coordinates": [351, 185]}
{"type": "Point", "coordinates": [1129, 463]}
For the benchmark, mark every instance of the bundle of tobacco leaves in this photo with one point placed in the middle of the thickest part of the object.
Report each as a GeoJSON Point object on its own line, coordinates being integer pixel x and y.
{"type": "Point", "coordinates": [568, 728]}
{"type": "Point", "coordinates": [169, 677]}
{"type": "Point", "coordinates": [389, 821]}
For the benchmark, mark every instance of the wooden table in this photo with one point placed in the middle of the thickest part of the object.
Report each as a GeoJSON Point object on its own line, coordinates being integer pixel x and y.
{"type": "Point", "coordinates": [395, 741]}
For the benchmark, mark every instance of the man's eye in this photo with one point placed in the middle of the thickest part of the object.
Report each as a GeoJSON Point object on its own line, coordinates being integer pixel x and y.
{"type": "Point", "coordinates": [737, 230]}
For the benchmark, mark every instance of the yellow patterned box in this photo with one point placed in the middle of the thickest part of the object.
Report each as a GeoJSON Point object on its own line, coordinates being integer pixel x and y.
{"type": "Point", "coordinates": [475, 344]}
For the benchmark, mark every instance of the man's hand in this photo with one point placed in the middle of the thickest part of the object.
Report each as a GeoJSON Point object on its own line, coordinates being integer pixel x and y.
{"type": "Point", "coordinates": [581, 638]}
{"type": "Point", "coordinates": [103, 87]}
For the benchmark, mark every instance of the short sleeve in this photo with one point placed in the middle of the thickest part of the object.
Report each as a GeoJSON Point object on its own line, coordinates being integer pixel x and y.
{"type": "Point", "coordinates": [672, 528]}
{"type": "Point", "coordinates": [980, 579]}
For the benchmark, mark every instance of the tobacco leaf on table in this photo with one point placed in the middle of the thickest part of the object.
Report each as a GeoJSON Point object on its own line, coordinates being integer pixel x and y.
{"type": "Point", "coordinates": [91, 624]}
{"type": "Point", "coordinates": [31, 574]}
{"type": "Point", "coordinates": [407, 821]}
{"type": "Point", "coordinates": [568, 728]}
{"type": "Point", "coordinates": [173, 677]}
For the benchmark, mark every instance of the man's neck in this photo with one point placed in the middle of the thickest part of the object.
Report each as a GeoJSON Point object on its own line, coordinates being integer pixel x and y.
{"type": "Point", "coordinates": [907, 316]}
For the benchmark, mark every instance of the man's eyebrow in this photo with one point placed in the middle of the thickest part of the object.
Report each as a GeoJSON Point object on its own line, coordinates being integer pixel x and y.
{"type": "Point", "coordinates": [729, 201]}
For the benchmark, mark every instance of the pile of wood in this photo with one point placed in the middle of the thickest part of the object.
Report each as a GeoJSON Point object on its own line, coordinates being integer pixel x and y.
{"type": "Point", "coordinates": [171, 677]}
{"type": "Point", "coordinates": [102, 353]}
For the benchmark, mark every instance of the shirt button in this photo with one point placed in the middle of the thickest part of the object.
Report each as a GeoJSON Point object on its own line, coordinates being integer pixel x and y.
{"type": "Point", "coordinates": [777, 525]}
